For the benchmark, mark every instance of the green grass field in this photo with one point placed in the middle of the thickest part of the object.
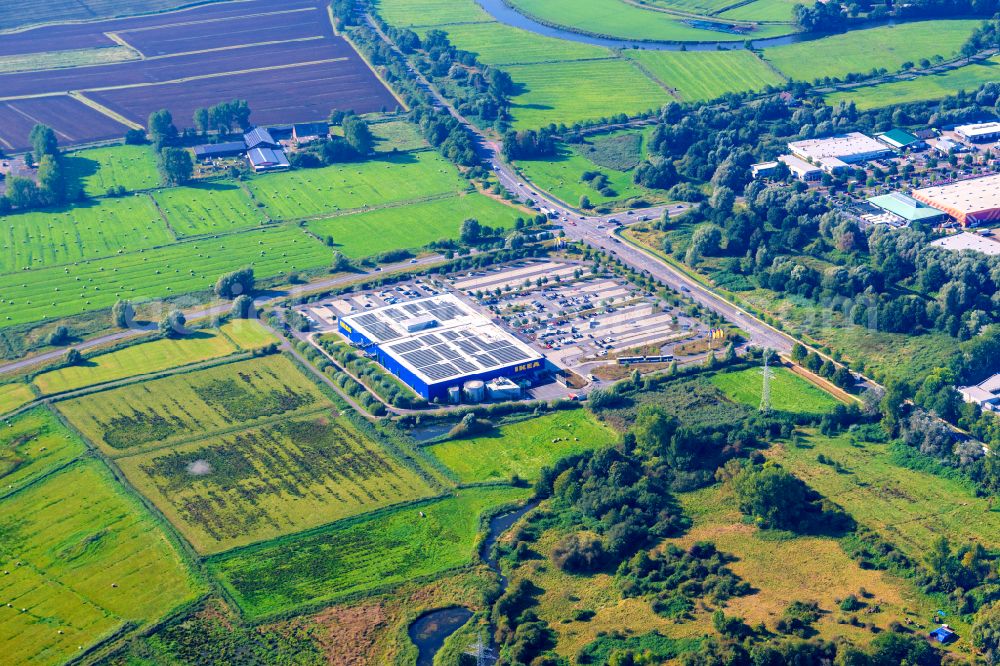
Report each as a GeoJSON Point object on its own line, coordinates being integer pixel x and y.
{"type": "Point", "coordinates": [561, 178]}
{"type": "Point", "coordinates": [314, 192]}
{"type": "Point", "coordinates": [14, 395]}
{"type": "Point", "coordinates": [499, 44]}
{"type": "Point", "coordinates": [705, 75]}
{"type": "Point", "coordinates": [411, 226]}
{"type": "Point", "coordinates": [100, 169]}
{"type": "Point", "coordinates": [397, 135]}
{"type": "Point", "coordinates": [363, 555]}
{"type": "Point", "coordinates": [568, 92]}
{"type": "Point", "coordinates": [83, 231]}
{"type": "Point", "coordinates": [84, 559]}
{"type": "Point", "coordinates": [617, 19]}
{"type": "Point", "coordinates": [34, 445]}
{"type": "Point", "coordinates": [154, 356]}
{"type": "Point", "coordinates": [58, 291]}
{"type": "Point", "coordinates": [789, 392]}
{"type": "Point", "coordinates": [523, 448]}
{"type": "Point", "coordinates": [761, 10]}
{"type": "Point", "coordinates": [208, 208]}
{"type": "Point", "coordinates": [921, 88]}
{"type": "Point", "coordinates": [261, 483]}
{"type": "Point", "coordinates": [193, 405]}
{"type": "Point", "coordinates": [703, 7]}
{"type": "Point", "coordinates": [860, 51]}
{"type": "Point", "coordinates": [410, 13]}
{"type": "Point", "coordinates": [908, 507]}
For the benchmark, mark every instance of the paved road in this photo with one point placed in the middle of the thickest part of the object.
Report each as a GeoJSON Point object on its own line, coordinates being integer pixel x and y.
{"type": "Point", "coordinates": [219, 310]}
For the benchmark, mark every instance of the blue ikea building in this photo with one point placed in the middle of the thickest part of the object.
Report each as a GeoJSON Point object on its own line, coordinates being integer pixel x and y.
{"type": "Point", "coordinates": [436, 343]}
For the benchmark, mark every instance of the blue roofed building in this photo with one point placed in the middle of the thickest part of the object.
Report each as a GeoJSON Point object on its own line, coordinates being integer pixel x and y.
{"type": "Point", "coordinates": [943, 634]}
{"type": "Point", "coordinates": [211, 151]}
{"type": "Point", "coordinates": [259, 137]}
{"type": "Point", "coordinates": [267, 159]}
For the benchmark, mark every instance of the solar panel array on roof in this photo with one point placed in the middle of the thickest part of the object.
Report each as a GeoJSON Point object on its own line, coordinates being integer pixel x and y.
{"type": "Point", "coordinates": [382, 331]}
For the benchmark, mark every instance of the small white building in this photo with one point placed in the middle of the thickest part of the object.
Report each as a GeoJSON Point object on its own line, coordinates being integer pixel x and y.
{"type": "Point", "coordinates": [503, 388]}
{"type": "Point", "coordinates": [986, 394]}
{"type": "Point", "coordinates": [979, 132]}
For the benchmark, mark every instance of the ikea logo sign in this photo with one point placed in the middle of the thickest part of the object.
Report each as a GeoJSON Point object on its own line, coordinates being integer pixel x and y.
{"type": "Point", "coordinates": [347, 329]}
{"type": "Point", "coordinates": [524, 367]}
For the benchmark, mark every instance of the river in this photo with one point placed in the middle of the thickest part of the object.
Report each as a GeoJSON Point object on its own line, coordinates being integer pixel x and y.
{"type": "Point", "coordinates": [429, 631]}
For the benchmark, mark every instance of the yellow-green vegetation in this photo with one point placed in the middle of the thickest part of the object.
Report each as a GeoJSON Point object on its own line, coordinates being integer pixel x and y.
{"type": "Point", "coordinates": [907, 507]}
{"type": "Point", "coordinates": [921, 88]}
{"type": "Point", "coordinates": [101, 169]}
{"type": "Point", "coordinates": [31, 62]}
{"type": "Point", "coordinates": [860, 51]}
{"type": "Point", "coordinates": [522, 448]}
{"type": "Point", "coordinates": [705, 75]}
{"type": "Point", "coordinates": [14, 395]}
{"type": "Point", "coordinates": [411, 226]}
{"type": "Point", "coordinates": [568, 92]}
{"type": "Point", "coordinates": [365, 554]}
{"type": "Point", "coordinates": [208, 208]}
{"type": "Point", "coordinates": [82, 231]}
{"type": "Point", "coordinates": [789, 392]}
{"type": "Point", "coordinates": [261, 483]}
{"type": "Point", "coordinates": [415, 13]}
{"type": "Point", "coordinates": [315, 192]}
{"type": "Point", "coordinates": [155, 356]}
{"type": "Point", "coordinates": [33, 445]}
{"type": "Point", "coordinates": [195, 404]}
{"type": "Point", "coordinates": [84, 559]}
{"type": "Point", "coordinates": [397, 135]}
{"type": "Point", "coordinates": [761, 10]}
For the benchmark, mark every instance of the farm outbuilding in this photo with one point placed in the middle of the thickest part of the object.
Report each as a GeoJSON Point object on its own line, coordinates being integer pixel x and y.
{"type": "Point", "coordinates": [309, 132]}
{"type": "Point", "coordinates": [260, 137]}
{"type": "Point", "coordinates": [267, 159]}
{"type": "Point", "coordinates": [434, 344]}
{"type": "Point", "coordinates": [943, 634]}
{"type": "Point", "coordinates": [211, 151]}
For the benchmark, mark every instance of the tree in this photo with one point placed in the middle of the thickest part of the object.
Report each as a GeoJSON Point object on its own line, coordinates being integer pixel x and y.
{"type": "Point", "coordinates": [135, 137]}
{"type": "Point", "coordinates": [43, 141]}
{"type": "Point", "coordinates": [340, 263]}
{"type": "Point", "coordinates": [123, 314]}
{"type": "Point", "coordinates": [59, 336]}
{"type": "Point", "coordinates": [243, 307]}
{"type": "Point", "coordinates": [201, 120]}
{"type": "Point", "coordinates": [176, 165]}
{"type": "Point", "coordinates": [358, 135]}
{"type": "Point", "coordinates": [161, 127]}
{"type": "Point", "coordinates": [772, 495]}
{"type": "Point", "coordinates": [22, 192]}
{"type": "Point", "coordinates": [51, 179]}
{"type": "Point", "coordinates": [986, 633]}
{"type": "Point", "coordinates": [471, 231]}
{"type": "Point", "coordinates": [237, 283]}
{"type": "Point", "coordinates": [798, 352]}
{"type": "Point", "coordinates": [172, 326]}
{"type": "Point", "coordinates": [73, 356]}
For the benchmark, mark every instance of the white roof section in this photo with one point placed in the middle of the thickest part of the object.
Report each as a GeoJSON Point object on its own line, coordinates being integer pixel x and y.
{"type": "Point", "coordinates": [969, 241]}
{"type": "Point", "coordinates": [851, 147]}
{"type": "Point", "coordinates": [440, 338]}
{"type": "Point", "coordinates": [972, 195]}
{"type": "Point", "coordinates": [798, 166]}
{"type": "Point", "coordinates": [984, 393]}
{"type": "Point", "coordinates": [977, 130]}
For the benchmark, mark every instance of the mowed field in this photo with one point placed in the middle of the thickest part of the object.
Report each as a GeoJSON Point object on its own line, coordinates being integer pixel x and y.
{"type": "Point", "coordinates": [411, 226]}
{"type": "Point", "coordinates": [920, 88]}
{"type": "Point", "coordinates": [261, 483]}
{"type": "Point", "coordinates": [14, 395]}
{"type": "Point", "coordinates": [99, 169]}
{"type": "Point", "coordinates": [500, 45]}
{"type": "Point", "coordinates": [84, 559]}
{"type": "Point", "coordinates": [705, 75]}
{"type": "Point", "coordinates": [567, 92]}
{"type": "Point", "coordinates": [192, 405]}
{"type": "Point", "coordinates": [207, 208]}
{"type": "Point", "coordinates": [34, 444]}
{"type": "Point", "coordinates": [362, 555]}
{"type": "Point", "coordinates": [314, 192]}
{"type": "Point", "coordinates": [285, 61]}
{"type": "Point", "coordinates": [523, 448]}
{"type": "Point", "coordinates": [156, 355]}
{"type": "Point", "coordinates": [860, 51]}
{"type": "Point", "coordinates": [761, 10]}
{"type": "Point", "coordinates": [789, 392]}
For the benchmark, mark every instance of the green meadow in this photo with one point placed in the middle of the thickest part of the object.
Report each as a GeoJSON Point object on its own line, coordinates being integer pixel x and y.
{"type": "Point", "coordinates": [414, 13]}
{"type": "Point", "coordinates": [705, 75]}
{"type": "Point", "coordinates": [208, 208]}
{"type": "Point", "coordinates": [14, 395]}
{"type": "Point", "coordinates": [411, 226]}
{"type": "Point", "coordinates": [34, 444]}
{"type": "Point", "coordinates": [522, 448]}
{"type": "Point", "coordinates": [789, 392]}
{"type": "Point", "coordinates": [500, 44]}
{"type": "Point", "coordinates": [84, 560]}
{"type": "Point", "coordinates": [98, 170]}
{"type": "Point", "coordinates": [361, 555]}
{"type": "Point", "coordinates": [860, 51]}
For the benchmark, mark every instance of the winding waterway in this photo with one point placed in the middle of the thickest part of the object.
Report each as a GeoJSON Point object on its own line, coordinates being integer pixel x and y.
{"type": "Point", "coordinates": [503, 13]}
{"type": "Point", "coordinates": [430, 630]}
